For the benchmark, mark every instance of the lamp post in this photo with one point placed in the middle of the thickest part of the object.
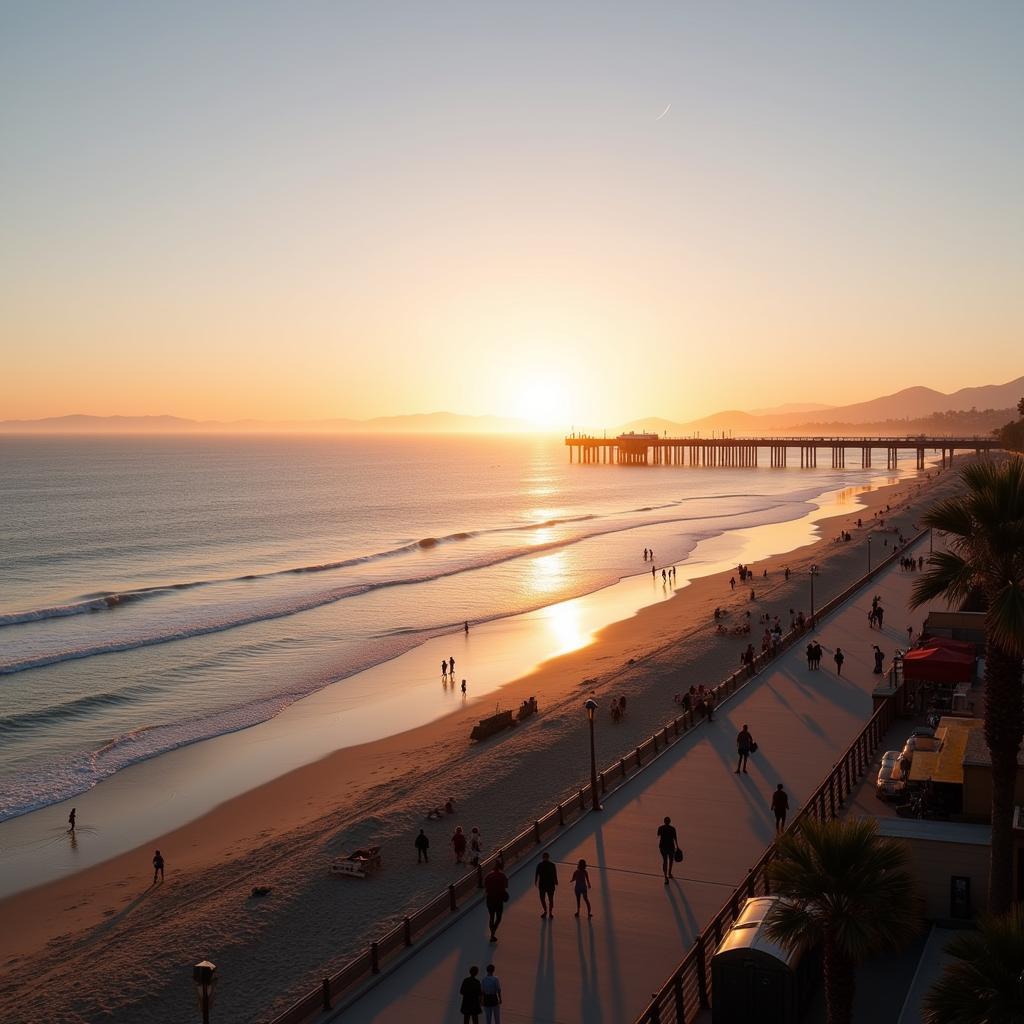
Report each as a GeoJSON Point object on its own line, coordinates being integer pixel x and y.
{"type": "Point", "coordinates": [204, 977]}
{"type": "Point", "coordinates": [869, 552]}
{"type": "Point", "coordinates": [814, 572]}
{"type": "Point", "coordinates": [591, 706]}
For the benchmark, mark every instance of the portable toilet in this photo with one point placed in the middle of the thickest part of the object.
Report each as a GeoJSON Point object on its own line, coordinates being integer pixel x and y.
{"type": "Point", "coordinates": [755, 979]}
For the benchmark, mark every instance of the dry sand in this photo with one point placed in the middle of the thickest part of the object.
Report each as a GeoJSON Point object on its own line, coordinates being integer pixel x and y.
{"type": "Point", "coordinates": [104, 944]}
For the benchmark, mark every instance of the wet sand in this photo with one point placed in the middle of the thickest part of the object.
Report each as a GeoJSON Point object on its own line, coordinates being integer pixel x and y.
{"type": "Point", "coordinates": [283, 833]}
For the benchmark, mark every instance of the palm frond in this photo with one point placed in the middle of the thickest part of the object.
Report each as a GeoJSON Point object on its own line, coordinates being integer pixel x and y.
{"type": "Point", "coordinates": [948, 575]}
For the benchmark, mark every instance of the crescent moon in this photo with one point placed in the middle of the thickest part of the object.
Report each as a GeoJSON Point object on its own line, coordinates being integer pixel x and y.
{"type": "Point", "coordinates": [663, 113]}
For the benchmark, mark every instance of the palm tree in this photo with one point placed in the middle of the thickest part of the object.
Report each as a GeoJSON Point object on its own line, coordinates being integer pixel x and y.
{"type": "Point", "coordinates": [986, 552]}
{"type": "Point", "coordinates": [844, 887]}
{"type": "Point", "coordinates": [985, 982]}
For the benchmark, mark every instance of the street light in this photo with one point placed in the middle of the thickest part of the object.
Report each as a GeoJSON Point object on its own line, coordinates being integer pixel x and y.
{"type": "Point", "coordinates": [591, 706]}
{"type": "Point", "coordinates": [814, 572]}
{"type": "Point", "coordinates": [869, 552]}
{"type": "Point", "coordinates": [204, 977]}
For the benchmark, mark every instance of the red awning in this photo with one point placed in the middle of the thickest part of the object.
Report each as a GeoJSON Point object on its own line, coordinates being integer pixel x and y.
{"type": "Point", "coordinates": [938, 665]}
{"type": "Point", "coordinates": [949, 644]}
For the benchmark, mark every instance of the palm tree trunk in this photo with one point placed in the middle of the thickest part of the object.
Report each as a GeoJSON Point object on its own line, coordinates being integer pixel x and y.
{"type": "Point", "coordinates": [839, 984]}
{"type": "Point", "coordinates": [1004, 729]}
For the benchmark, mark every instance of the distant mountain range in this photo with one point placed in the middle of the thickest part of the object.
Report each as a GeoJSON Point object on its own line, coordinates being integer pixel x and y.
{"type": "Point", "coordinates": [911, 410]}
{"type": "Point", "coordinates": [426, 423]}
{"type": "Point", "coordinates": [916, 405]}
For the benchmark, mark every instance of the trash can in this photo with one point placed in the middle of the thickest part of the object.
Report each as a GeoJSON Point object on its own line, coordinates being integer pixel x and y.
{"type": "Point", "coordinates": [755, 979]}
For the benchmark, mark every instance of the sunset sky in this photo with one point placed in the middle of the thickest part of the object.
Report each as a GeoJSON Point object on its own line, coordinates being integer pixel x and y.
{"type": "Point", "coordinates": [355, 209]}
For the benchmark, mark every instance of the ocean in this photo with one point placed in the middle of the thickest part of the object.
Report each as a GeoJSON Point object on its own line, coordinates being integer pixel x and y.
{"type": "Point", "coordinates": [159, 591]}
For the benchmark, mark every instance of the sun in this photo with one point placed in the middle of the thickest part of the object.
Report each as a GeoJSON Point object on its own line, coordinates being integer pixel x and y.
{"type": "Point", "coordinates": [542, 401]}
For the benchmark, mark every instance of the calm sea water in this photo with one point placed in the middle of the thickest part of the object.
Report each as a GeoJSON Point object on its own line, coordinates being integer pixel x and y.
{"type": "Point", "coordinates": [159, 591]}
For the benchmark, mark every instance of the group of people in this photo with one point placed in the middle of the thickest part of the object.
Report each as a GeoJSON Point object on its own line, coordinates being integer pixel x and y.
{"type": "Point", "coordinates": [435, 813]}
{"type": "Point", "coordinates": [667, 575]}
{"type": "Point", "coordinates": [813, 655]}
{"type": "Point", "coordinates": [474, 843]}
{"type": "Point", "coordinates": [618, 709]}
{"type": "Point", "coordinates": [877, 613]}
{"type": "Point", "coordinates": [697, 698]}
{"type": "Point", "coordinates": [911, 564]}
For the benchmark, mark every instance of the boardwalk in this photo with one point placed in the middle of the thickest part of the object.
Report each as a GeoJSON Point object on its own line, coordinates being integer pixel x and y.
{"type": "Point", "coordinates": [603, 971]}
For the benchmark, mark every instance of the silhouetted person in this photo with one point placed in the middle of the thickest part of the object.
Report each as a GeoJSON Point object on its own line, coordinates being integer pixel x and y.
{"type": "Point", "coordinates": [472, 995]}
{"type": "Point", "coordinates": [71, 820]}
{"type": "Point", "coordinates": [463, 687]}
{"type": "Point", "coordinates": [492, 996]}
{"type": "Point", "coordinates": [496, 893]}
{"type": "Point", "coordinates": [546, 880]}
{"type": "Point", "coordinates": [158, 866]}
{"type": "Point", "coordinates": [459, 844]}
{"type": "Point", "coordinates": [839, 658]}
{"type": "Point", "coordinates": [879, 658]}
{"type": "Point", "coordinates": [422, 844]}
{"type": "Point", "coordinates": [465, 626]}
{"type": "Point", "coordinates": [451, 667]}
{"type": "Point", "coordinates": [780, 805]}
{"type": "Point", "coordinates": [668, 843]}
{"type": "Point", "coordinates": [744, 741]}
{"type": "Point", "coordinates": [444, 670]}
{"type": "Point", "coordinates": [581, 886]}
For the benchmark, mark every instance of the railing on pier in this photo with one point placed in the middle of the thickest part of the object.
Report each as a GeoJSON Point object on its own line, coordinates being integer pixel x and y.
{"type": "Point", "coordinates": [689, 987]}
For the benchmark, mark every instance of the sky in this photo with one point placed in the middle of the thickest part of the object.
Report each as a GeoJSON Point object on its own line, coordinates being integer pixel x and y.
{"type": "Point", "coordinates": [318, 209]}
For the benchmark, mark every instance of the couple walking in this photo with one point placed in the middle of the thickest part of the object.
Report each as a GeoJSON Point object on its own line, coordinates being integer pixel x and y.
{"type": "Point", "coordinates": [546, 880]}
{"type": "Point", "coordinates": [480, 995]}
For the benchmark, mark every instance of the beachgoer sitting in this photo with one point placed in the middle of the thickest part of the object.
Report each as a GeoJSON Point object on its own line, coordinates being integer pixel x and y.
{"type": "Point", "coordinates": [449, 806]}
{"type": "Point", "coordinates": [434, 813]}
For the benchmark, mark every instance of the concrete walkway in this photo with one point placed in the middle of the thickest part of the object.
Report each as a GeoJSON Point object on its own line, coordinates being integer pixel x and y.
{"type": "Point", "coordinates": [604, 970]}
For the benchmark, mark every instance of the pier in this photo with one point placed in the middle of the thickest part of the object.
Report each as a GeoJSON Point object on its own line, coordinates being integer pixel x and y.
{"type": "Point", "coordinates": [641, 449]}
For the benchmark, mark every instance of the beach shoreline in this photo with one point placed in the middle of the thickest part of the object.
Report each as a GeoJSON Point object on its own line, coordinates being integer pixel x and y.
{"type": "Point", "coordinates": [282, 832]}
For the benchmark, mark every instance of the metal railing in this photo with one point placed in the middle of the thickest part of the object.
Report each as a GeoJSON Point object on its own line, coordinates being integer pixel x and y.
{"type": "Point", "coordinates": [368, 963]}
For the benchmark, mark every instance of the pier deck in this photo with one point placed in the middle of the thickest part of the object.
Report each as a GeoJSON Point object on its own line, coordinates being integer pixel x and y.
{"type": "Point", "coordinates": [653, 449]}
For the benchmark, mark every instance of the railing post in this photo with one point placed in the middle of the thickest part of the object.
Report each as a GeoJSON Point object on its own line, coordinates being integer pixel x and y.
{"type": "Point", "coordinates": [561, 816]}
{"type": "Point", "coordinates": [451, 898]}
{"type": "Point", "coordinates": [325, 991]}
{"type": "Point", "coordinates": [604, 784]}
{"type": "Point", "coordinates": [654, 740]}
{"type": "Point", "coordinates": [639, 758]}
{"type": "Point", "coordinates": [832, 793]}
{"type": "Point", "coordinates": [622, 765]}
{"type": "Point", "coordinates": [407, 930]}
{"type": "Point", "coordinates": [375, 958]}
{"type": "Point", "coordinates": [702, 974]}
{"type": "Point", "coordinates": [680, 999]}
{"type": "Point", "coordinates": [536, 830]}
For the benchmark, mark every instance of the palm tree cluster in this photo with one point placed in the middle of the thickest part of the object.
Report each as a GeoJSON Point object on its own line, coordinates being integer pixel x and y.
{"type": "Point", "coordinates": [846, 889]}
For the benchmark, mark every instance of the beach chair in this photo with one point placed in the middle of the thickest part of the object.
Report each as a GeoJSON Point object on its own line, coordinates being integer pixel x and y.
{"type": "Point", "coordinates": [359, 864]}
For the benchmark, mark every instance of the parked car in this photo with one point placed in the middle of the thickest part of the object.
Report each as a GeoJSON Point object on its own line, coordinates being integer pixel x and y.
{"type": "Point", "coordinates": [920, 741]}
{"type": "Point", "coordinates": [891, 782]}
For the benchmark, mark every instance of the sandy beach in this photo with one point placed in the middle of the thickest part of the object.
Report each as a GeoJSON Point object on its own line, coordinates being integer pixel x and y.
{"type": "Point", "coordinates": [283, 834]}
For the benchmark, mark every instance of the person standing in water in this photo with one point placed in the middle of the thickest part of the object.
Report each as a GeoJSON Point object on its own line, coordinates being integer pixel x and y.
{"type": "Point", "coordinates": [444, 671]}
{"type": "Point", "coordinates": [465, 626]}
{"type": "Point", "coordinates": [463, 687]}
{"type": "Point", "coordinates": [71, 820]}
{"type": "Point", "coordinates": [451, 667]}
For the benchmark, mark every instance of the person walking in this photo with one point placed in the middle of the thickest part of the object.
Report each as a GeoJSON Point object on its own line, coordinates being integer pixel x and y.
{"type": "Point", "coordinates": [879, 615]}
{"type": "Point", "coordinates": [476, 846]}
{"type": "Point", "coordinates": [472, 996]}
{"type": "Point", "coordinates": [817, 655]}
{"type": "Point", "coordinates": [463, 687]}
{"type": "Point", "coordinates": [744, 743]}
{"type": "Point", "coordinates": [459, 844]}
{"type": "Point", "coordinates": [668, 843]}
{"type": "Point", "coordinates": [810, 656]}
{"type": "Point", "coordinates": [422, 844]}
{"type": "Point", "coordinates": [546, 880]}
{"type": "Point", "coordinates": [839, 658]}
{"type": "Point", "coordinates": [496, 894]}
{"type": "Point", "coordinates": [879, 659]}
{"type": "Point", "coordinates": [71, 819]}
{"type": "Point", "coordinates": [780, 806]}
{"type": "Point", "coordinates": [492, 996]}
{"type": "Point", "coordinates": [582, 886]}
{"type": "Point", "coordinates": [465, 626]}
{"type": "Point", "coordinates": [451, 668]}
{"type": "Point", "coordinates": [158, 866]}
{"type": "Point", "coordinates": [444, 671]}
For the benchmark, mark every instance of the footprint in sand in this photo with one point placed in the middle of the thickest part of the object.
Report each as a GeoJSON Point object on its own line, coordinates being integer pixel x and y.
{"type": "Point", "coordinates": [107, 913]}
